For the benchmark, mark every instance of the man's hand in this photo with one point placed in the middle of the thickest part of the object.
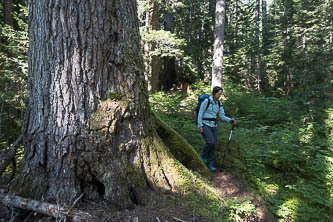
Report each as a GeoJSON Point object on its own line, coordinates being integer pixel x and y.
{"type": "Point", "coordinates": [201, 130]}
{"type": "Point", "coordinates": [232, 121]}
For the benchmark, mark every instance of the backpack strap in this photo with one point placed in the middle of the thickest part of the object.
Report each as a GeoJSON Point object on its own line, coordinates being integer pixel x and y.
{"type": "Point", "coordinates": [207, 104]}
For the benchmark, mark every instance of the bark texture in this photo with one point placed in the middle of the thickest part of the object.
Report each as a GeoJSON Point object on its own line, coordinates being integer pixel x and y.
{"type": "Point", "coordinates": [85, 121]}
{"type": "Point", "coordinates": [87, 127]}
{"type": "Point", "coordinates": [218, 43]}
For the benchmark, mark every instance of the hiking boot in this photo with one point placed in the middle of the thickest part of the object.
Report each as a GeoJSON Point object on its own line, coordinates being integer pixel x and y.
{"type": "Point", "coordinates": [211, 167]}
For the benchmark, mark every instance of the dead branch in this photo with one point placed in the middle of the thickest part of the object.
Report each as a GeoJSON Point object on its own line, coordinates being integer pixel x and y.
{"type": "Point", "coordinates": [11, 155]}
{"type": "Point", "coordinates": [52, 210]}
{"type": "Point", "coordinates": [178, 219]}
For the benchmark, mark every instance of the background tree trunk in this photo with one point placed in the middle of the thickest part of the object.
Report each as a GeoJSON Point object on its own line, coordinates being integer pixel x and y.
{"type": "Point", "coordinates": [264, 43]}
{"type": "Point", "coordinates": [218, 43]}
{"type": "Point", "coordinates": [7, 12]}
{"type": "Point", "coordinates": [152, 63]}
{"type": "Point", "coordinates": [147, 49]}
{"type": "Point", "coordinates": [264, 25]}
{"type": "Point", "coordinates": [156, 61]}
{"type": "Point", "coordinates": [258, 46]}
{"type": "Point", "coordinates": [169, 72]}
{"type": "Point", "coordinates": [87, 126]}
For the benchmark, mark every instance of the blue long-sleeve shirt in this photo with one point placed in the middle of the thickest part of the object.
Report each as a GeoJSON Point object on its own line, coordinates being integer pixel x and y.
{"type": "Point", "coordinates": [211, 112]}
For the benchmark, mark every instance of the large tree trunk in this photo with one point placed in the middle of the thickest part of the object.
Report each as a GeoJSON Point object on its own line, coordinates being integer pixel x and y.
{"type": "Point", "coordinates": [87, 126]}
{"type": "Point", "coordinates": [218, 43]}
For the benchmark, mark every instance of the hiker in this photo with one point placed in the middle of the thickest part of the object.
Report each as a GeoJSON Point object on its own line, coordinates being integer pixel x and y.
{"type": "Point", "coordinates": [207, 124]}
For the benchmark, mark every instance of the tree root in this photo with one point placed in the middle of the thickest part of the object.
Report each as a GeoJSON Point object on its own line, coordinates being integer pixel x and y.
{"type": "Point", "coordinates": [48, 209]}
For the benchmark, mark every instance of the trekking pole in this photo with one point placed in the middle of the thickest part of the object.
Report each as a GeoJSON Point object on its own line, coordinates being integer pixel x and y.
{"type": "Point", "coordinates": [227, 150]}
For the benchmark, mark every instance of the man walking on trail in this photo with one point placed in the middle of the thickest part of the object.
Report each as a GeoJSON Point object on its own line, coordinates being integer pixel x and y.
{"type": "Point", "coordinates": [207, 124]}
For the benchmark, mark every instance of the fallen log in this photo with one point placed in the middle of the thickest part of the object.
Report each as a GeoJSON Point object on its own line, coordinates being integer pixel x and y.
{"type": "Point", "coordinates": [49, 209]}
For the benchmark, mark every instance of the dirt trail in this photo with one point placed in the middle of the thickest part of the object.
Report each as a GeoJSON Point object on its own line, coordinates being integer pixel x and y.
{"type": "Point", "coordinates": [231, 186]}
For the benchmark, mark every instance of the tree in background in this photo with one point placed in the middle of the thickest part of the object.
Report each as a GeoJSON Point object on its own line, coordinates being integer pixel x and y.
{"type": "Point", "coordinates": [8, 12]}
{"type": "Point", "coordinates": [194, 24]}
{"type": "Point", "coordinates": [218, 43]}
{"type": "Point", "coordinates": [165, 61]}
{"type": "Point", "coordinates": [291, 51]}
{"type": "Point", "coordinates": [149, 13]}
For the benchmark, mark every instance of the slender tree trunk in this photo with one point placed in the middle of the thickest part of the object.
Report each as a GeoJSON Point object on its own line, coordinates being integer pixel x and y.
{"type": "Point", "coordinates": [170, 75]}
{"type": "Point", "coordinates": [264, 81]}
{"type": "Point", "coordinates": [330, 22]}
{"type": "Point", "coordinates": [218, 43]}
{"type": "Point", "coordinates": [264, 25]}
{"type": "Point", "coordinates": [258, 46]}
{"type": "Point", "coordinates": [147, 51]}
{"type": "Point", "coordinates": [7, 12]}
{"type": "Point", "coordinates": [153, 63]}
{"type": "Point", "coordinates": [87, 127]}
{"type": "Point", "coordinates": [206, 74]}
{"type": "Point", "coordinates": [155, 60]}
{"type": "Point", "coordinates": [2, 101]}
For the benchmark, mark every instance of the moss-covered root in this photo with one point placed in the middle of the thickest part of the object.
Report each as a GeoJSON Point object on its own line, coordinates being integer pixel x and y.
{"type": "Point", "coordinates": [164, 172]}
{"type": "Point", "coordinates": [179, 147]}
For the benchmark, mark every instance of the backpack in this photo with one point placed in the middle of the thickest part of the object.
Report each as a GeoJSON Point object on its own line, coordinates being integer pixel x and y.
{"type": "Point", "coordinates": [202, 98]}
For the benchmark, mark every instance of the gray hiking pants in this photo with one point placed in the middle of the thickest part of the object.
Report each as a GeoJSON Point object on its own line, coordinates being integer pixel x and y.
{"type": "Point", "coordinates": [210, 136]}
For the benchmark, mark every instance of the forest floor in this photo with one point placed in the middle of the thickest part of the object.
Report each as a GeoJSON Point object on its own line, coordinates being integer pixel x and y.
{"type": "Point", "coordinates": [232, 186]}
{"type": "Point", "coordinates": [159, 208]}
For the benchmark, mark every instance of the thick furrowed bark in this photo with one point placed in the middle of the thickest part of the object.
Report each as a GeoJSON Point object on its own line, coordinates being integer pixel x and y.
{"type": "Point", "coordinates": [88, 127]}
{"type": "Point", "coordinates": [88, 103]}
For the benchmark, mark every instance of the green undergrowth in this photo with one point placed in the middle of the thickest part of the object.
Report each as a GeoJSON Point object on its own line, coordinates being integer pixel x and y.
{"type": "Point", "coordinates": [281, 146]}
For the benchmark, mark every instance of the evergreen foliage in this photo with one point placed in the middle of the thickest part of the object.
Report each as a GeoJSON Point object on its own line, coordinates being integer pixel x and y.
{"type": "Point", "coordinates": [293, 55]}
{"type": "Point", "coordinates": [13, 74]}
